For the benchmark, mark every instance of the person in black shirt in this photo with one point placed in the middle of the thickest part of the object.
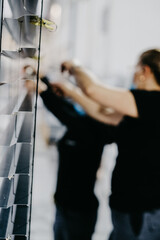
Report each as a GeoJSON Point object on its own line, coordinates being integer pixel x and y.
{"type": "Point", "coordinates": [133, 117]}
{"type": "Point", "coordinates": [80, 151]}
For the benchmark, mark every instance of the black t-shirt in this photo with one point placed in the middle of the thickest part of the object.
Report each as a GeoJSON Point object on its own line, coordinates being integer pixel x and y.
{"type": "Point", "coordinates": [80, 152]}
{"type": "Point", "coordinates": [136, 177]}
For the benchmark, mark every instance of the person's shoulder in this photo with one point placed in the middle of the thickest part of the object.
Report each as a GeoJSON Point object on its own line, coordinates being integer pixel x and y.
{"type": "Point", "coordinates": [143, 91]}
{"type": "Point", "coordinates": [146, 93]}
{"type": "Point", "coordinates": [155, 93]}
{"type": "Point", "coordinates": [147, 102]}
{"type": "Point", "coordinates": [152, 95]}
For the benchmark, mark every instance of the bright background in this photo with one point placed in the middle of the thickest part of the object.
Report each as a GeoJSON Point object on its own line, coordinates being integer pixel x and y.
{"type": "Point", "coordinates": [107, 36]}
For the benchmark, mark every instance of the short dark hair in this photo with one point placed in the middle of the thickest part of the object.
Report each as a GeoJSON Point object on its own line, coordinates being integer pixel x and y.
{"type": "Point", "coordinates": [151, 58]}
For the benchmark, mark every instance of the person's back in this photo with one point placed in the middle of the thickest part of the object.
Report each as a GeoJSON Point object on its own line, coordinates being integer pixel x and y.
{"type": "Point", "coordinates": [79, 159]}
{"type": "Point", "coordinates": [136, 177]}
{"type": "Point", "coordinates": [80, 151]}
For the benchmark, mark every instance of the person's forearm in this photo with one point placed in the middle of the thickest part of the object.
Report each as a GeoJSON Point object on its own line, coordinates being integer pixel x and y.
{"type": "Point", "coordinates": [92, 108]}
{"type": "Point", "coordinates": [99, 92]}
{"type": "Point", "coordinates": [84, 78]}
{"type": "Point", "coordinates": [120, 100]}
{"type": "Point", "coordinates": [87, 104]}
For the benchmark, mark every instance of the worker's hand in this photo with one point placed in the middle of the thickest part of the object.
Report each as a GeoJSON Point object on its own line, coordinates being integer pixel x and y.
{"type": "Point", "coordinates": [31, 86]}
{"type": "Point", "coordinates": [30, 71]}
{"type": "Point", "coordinates": [69, 66]}
{"type": "Point", "coordinates": [63, 89]}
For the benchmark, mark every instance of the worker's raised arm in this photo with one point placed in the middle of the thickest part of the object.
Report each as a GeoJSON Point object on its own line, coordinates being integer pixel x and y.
{"type": "Point", "coordinates": [91, 107]}
{"type": "Point", "coordinates": [121, 100]}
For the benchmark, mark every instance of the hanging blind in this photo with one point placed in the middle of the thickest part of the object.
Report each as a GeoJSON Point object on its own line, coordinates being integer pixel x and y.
{"type": "Point", "coordinates": [20, 38]}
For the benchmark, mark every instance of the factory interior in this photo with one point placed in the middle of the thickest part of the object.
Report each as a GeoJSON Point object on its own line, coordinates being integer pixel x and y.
{"type": "Point", "coordinates": [37, 36]}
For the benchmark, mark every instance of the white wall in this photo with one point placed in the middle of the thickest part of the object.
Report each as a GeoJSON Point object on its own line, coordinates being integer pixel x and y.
{"type": "Point", "coordinates": [109, 44]}
{"type": "Point", "coordinates": [105, 35]}
{"type": "Point", "coordinates": [134, 27]}
{"type": "Point", "coordinates": [92, 34]}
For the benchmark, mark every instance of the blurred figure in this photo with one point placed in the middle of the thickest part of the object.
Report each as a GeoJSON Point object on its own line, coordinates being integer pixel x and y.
{"type": "Point", "coordinates": [135, 197]}
{"type": "Point", "coordinates": [80, 151]}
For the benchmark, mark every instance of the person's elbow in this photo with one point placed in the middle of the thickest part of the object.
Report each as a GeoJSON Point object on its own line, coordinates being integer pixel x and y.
{"type": "Point", "coordinates": [89, 90]}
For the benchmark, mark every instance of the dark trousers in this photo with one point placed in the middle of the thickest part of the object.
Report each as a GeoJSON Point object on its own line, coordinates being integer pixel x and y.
{"type": "Point", "coordinates": [74, 225]}
{"type": "Point", "coordinates": [136, 226]}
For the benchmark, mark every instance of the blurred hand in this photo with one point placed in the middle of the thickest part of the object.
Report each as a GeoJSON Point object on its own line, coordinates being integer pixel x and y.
{"type": "Point", "coordinates": [30, 71]}
{"type": "Point", "coordinates": [68, 66]}
{"type": "Point", "coordinates": [63, 89]}
{"type": "Point", "coordinates": [31, 86]}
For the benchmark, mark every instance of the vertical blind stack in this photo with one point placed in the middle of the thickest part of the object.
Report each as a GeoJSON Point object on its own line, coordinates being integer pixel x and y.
{"type": "Point", "coordinates": [20, 33]}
